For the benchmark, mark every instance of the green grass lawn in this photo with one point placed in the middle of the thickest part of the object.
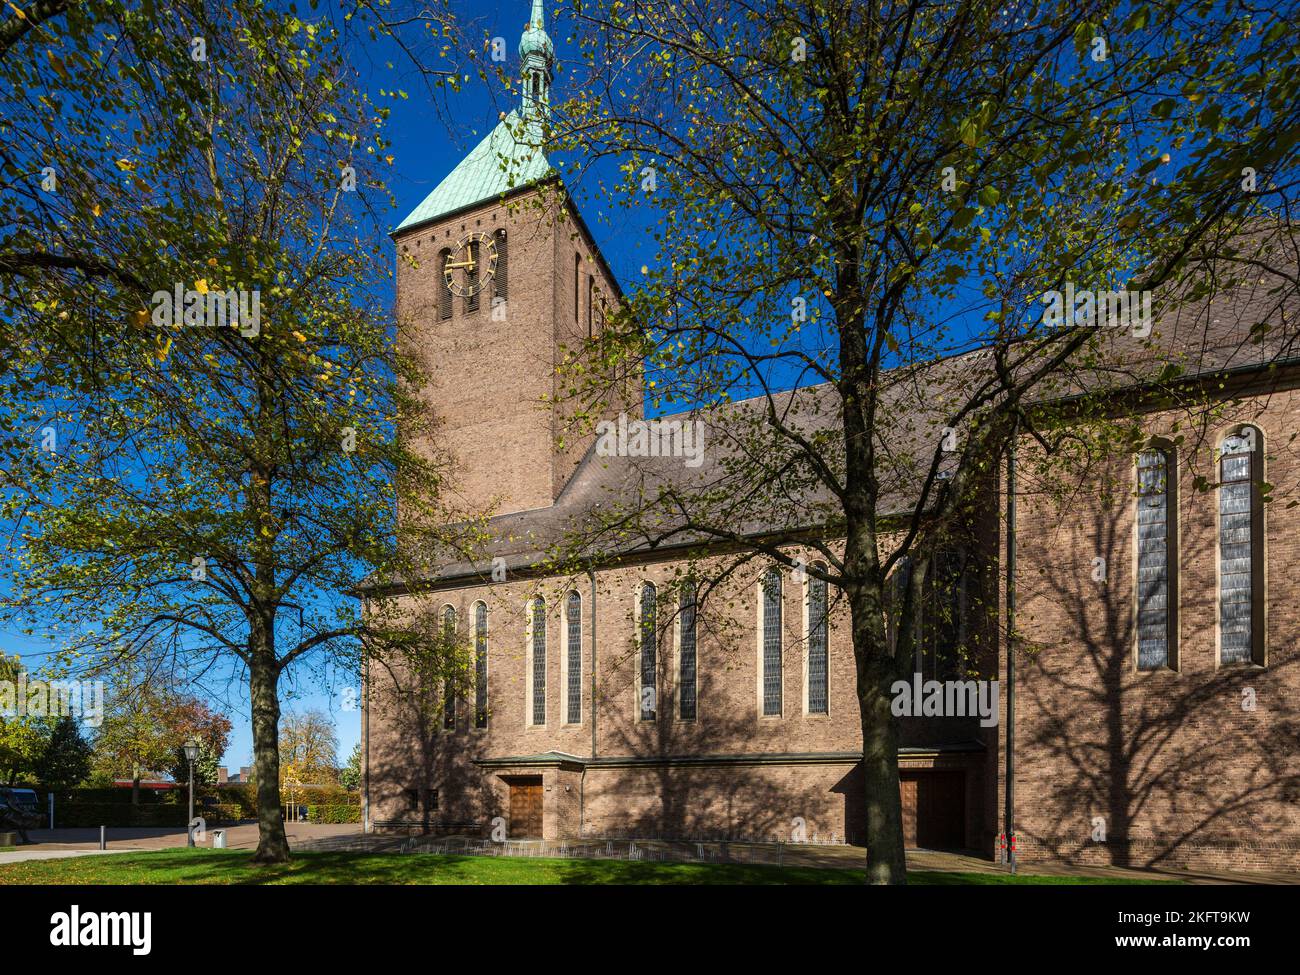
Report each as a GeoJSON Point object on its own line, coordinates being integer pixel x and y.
{"type": "Point", "coordinates": [233, 867]}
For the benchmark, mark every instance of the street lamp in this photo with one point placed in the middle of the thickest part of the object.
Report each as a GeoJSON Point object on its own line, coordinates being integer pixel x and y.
{"type": "Point", "coordinates": [191, 755]}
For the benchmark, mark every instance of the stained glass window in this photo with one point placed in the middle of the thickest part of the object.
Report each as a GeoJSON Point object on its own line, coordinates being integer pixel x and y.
{"type": "Point", "coordinates": [686, 676]}
{"type": "Point", "coordinates": [1153, 561]}
{"type": "Point", "coordinates": [772, 642]}
{"type": "Point", "coordinates": [649, 688]}
{"type": "Point", "coordinates": [573, 613]}
{"type": "Point", "coordinates": [817, 646]}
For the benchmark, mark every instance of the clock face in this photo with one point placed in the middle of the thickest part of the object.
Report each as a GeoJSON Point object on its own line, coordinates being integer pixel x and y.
{"type": "Point", "coordinates": [471, 264]}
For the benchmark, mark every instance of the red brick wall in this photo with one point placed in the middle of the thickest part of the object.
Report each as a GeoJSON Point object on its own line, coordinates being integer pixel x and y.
{"type": "Point", "coordinates": [1169, 760]}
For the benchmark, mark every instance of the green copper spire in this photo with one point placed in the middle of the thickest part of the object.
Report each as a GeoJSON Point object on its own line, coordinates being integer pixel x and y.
{"type": "Point", "coordinates": [537, 54]}
{"type": "Point", "coordinates": [510, 157]}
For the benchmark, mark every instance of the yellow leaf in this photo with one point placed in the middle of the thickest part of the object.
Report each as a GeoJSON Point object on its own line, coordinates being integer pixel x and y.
{"type": "Point", "coordinates": [201, 286]}
{"type": "Point", "coordinates": [300, 337]}
{"type": "Point", "coordinates": [164, 349]}
{"type": "Point", "coordinates": [96, 210]}
{"type": "Point", "coordinates": [58, 66]}
{"type": "Point", "coordinates": [126, 164]}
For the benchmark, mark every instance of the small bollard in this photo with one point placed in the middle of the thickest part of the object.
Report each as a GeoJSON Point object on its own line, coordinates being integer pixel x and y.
{"type": "Point", "coordinates": [103, 844]}
{"type": "Point", "coordinates": [218, 839]}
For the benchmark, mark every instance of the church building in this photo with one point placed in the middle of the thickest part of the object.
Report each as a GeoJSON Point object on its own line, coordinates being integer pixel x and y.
{"type": "Point", "coordinates": [1156, 723]}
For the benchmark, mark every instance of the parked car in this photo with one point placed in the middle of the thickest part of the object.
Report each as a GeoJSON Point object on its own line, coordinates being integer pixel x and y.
{"type": "Point", "coordinates": [19, 811]}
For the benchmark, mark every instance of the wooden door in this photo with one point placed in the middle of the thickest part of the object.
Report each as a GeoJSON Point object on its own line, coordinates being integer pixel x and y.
{"type": "Point", "coordinates": [525, 808]}
{"type": "Point", "coordinates": [934, 809]}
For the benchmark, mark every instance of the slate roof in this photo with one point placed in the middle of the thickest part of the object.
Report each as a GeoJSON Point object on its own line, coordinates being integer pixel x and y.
{"type": "Point", "coordinates": [1204, 337]}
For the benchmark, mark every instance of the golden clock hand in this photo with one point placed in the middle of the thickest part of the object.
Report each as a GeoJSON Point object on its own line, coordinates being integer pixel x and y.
{"type": "Point", "coordinates": [469, 264]}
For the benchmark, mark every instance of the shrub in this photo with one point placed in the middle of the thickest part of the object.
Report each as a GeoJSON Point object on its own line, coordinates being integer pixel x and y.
{"type": "Point", "coordinates": [242, 795]}
{"type": "Point", "coordinates": [71, 814]}
{"type": "Point", "coordinates": [335, 813]}
{"type": "Point", "coordinates": [114, 795]}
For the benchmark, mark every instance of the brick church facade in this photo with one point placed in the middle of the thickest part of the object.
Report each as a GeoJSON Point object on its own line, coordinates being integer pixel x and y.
{"type": "Point", "coordinates": [1161, 733]}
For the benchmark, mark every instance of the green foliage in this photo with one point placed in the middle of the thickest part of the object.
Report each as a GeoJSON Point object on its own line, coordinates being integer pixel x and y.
{"type": "Point", "coordinates": [22, 738]}
{"type": "Point", "coordinates": [66, 758]}
{"type": "Point", "coordinates": [205, 766]}
{"type": "Point", "coordinates": [344, 813]}
{"type": "Point", "coordinates": [90, 814]}
{"type": "Point", "coordinates": [350, 774]}
{"type": "Point", "coordinates": [208, 476]}
{"type": "Point", "coordinates": [876, 218]}
{"type": "Point", "coordinates": [240, 796]}
{"type": "Point", "coordinates": [309, 747]}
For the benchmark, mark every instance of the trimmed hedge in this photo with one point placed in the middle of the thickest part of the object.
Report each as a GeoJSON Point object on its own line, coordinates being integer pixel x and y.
{"type": "Point", "coordinates": [337, 813]}
{"type": "Point", "coordinates": [74, 814]}
{"type": "Point", "coordinates": [116, 796]}
{"type": "Point", "coordinates": [241, 795]}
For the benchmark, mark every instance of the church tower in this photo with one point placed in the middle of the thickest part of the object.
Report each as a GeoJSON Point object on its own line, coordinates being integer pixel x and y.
{"type": "Point", "coordinates": [497, 275]}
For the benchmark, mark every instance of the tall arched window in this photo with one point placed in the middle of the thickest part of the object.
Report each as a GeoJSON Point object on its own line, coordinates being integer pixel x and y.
{"type": "Point", "coordinates": [771, 636]}
{"type": "Point", "coordinates": [480, 665]}
{"type": "Point", "coordinates": [449, 692]}
{"type": "Point", "coordinates": [591, 292]}
{"type": "Point", "coordinates": [1241, 548]}
{"type": "Point", "coordinates": [573, 658]}
{"type": "Point", "coordinates": [444, 290]}
{"type": "Point", "coordinates": [686, 654]}
{"type": "Point", "coordinates": [818, 678]}
{"type": "Point", "coordinates": [647, 686]}
{"type": "Point", "coordinates": [577, 273]}
{"type": "Point", "coordinates": [501, 277]}
{"type": "Point", "coordinates": [896, 588]}
{"type": "Point", "coordinates": [1156, 594]}
{"type": "Point", "coordinates": [537, 651]}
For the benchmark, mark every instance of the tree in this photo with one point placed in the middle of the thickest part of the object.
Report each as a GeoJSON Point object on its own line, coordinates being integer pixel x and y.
{"type": "Point", "coordinates": [66, 758]}
{"type": "Point", "coordinates": [862, 195]}
{"type": "Point", "coordinates": [193, 720]}
{"type": "Point", "coordinates": [214, 483]}
{"type": "Point", "coordinates": [205, 766]}
{"type": "Point", "coordinates": [350, 774]}
{"type": "Point", "coordinates": [148, 719]}
{"type": "Point", "coordinates": [22, 737]}
{"type": "Point", "coordinates": [309, 743]}
{"type": "Point", "coordinates": [134, 737]}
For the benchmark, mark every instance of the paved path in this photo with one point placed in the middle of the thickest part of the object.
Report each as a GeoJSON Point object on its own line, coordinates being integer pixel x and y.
{"type": "Point", "coordinates": [125, 838]}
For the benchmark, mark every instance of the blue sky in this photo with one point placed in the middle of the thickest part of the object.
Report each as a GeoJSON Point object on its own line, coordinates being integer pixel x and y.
{"type": "Point", "coordinates": [426, 146]}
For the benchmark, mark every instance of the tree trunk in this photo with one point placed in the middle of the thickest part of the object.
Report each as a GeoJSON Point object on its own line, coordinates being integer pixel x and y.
{"type": "Point", "coordinates": [886, 859]}
{"type": "Point", "coordinates": [135, 785]}
{"type": "Point", "coordinates": [272, 844]}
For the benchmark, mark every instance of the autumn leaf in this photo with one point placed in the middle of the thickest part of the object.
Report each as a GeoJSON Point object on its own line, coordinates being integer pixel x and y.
{"type": "Point", "coordinates": [58, 66]}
